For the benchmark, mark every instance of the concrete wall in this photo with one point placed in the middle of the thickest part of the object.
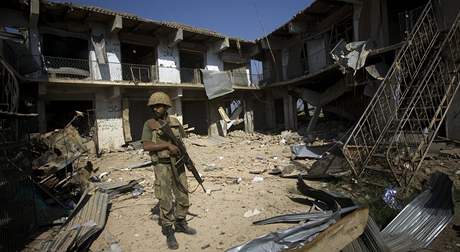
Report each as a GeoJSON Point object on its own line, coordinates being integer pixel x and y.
{"type": "Point", "coordinates": [168, 63]}
{"type": "Point", "coordinates": [109, 119]}
{"type": "Point", "coordinates": [111, 70]}
{"type": "Point", "coordinates": [114, 56]}
{"type": "Point", "coordinates": [213, 61]}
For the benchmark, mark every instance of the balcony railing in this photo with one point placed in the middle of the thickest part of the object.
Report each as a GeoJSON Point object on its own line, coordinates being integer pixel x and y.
{"type": "Point", "coordinates": [58, 67]}
{"type": "Point", "coordinates": [139, 73]}
{"type": "Point", "coordinates": [68, 68]}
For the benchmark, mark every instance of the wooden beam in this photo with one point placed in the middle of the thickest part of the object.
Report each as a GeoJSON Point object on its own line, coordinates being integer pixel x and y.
{"type": "Point", "coordinates": [126, 124]}
{"type": "Point", "coordinates": [176, 37]}
{"type": "Point", "coordinates": [339, 235]}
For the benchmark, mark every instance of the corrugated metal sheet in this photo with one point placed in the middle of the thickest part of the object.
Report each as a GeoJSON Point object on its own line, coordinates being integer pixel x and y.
{"type": "Point", "coordinates": [416, 226]}
{"type": "Point", "coordinates": [88, 219]}
{"type": "Point", "coordinates": [370, 241]}
{"type": "Point", "coordinates": [423, 219]}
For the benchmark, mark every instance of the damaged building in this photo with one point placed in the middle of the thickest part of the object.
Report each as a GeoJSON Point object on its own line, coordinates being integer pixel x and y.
{"type": "Point", "coordinates": [332, 56]}
{"type": "Point", "coordinates": [76, 80]}
{"type": "Point", "coordinates": [105, 64]}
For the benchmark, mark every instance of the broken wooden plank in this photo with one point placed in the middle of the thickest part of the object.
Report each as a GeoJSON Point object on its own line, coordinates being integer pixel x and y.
{"type": "Point", "coordinates": [126, 125]}
{"type": "Point", "coordinates": [339, 235]}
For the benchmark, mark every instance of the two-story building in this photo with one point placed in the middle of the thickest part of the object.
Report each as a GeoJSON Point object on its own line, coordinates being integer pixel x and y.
{"type": "Point", "coordinates": [106, 64]}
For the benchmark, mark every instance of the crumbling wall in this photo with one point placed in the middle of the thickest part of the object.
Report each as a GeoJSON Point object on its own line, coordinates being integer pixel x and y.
{"type": "Point", "coordinates": [109, 120]}
{"type": "Point", "coordinates": [168, 63]}
{"type": "Point", "coordinates": [111, 68]}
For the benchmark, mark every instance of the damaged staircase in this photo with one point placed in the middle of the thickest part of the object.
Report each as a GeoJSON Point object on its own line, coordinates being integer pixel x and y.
{"type": "Point", "coordinates": [407, 110]}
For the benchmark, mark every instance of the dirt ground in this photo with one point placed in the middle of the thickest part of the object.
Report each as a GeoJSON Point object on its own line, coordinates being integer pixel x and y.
{"type": "Point", "coordinates": [225, 164]}
{"type": "Point", "coordinates": [236, 171]}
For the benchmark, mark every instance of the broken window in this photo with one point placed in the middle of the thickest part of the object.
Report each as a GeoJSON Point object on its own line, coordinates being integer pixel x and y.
{"type": "Point", "coordinates": [138, 62]}
{"type": "Point", "coordinates": [190, 64]}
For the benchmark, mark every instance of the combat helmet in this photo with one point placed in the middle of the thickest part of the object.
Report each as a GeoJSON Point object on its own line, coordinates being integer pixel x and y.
{"type": "Point", "coordinates": [159, 98]}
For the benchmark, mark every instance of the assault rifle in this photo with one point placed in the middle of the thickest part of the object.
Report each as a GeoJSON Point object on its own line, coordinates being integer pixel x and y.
{"type": "Point", "coordinates": [185, 158]}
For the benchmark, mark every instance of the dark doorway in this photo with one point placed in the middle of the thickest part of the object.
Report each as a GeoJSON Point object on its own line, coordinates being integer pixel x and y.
{"type": "Point", "coordinates": [138, 114]}
{"type": "Point", "coordinates": [60, 113]}
{"type": "Point", "coordinates": [195, 115]}
{"type": "Point", "coordinates": [279, 112]}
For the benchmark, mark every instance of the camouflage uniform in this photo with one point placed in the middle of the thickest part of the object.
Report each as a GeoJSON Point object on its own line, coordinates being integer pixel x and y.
{"type": "Point", "coordinates": [167, 190]}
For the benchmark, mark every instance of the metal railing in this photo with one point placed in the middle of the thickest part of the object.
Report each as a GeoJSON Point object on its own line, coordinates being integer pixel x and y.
{"type": "Point", "coordinates": [426, 110]}
{"type": "Point", "coordinates": [67, 68]}
{"type": "Point", "coordinates": [370, 131]}
{"type": "Point", "coordinates": [58, 67]}
{"type": "Point", "coordinates": [139, 73]}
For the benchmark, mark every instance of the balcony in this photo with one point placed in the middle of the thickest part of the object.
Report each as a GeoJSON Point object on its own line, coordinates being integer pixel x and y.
{"type": "Point", "coordinates": [58, 67]}
{"type": "Point", "coordinates": [84, 69]}
{"type": "Point", "coordinates": [67, 68]}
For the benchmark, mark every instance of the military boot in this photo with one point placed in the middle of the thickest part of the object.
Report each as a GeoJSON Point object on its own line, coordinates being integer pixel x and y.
{"type": "Point", "coordinates": [182, 227]}
{"type": "Point", "coordinates": [168, 231]}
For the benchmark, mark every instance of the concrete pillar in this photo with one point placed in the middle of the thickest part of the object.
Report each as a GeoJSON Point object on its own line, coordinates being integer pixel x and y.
{"type": "Point", "coordinates": [111, 69]}
{"type": "Point", "coordinates": [248, 116]}
{"type": "Point", "coordinates": [176, 97]}
{"type": "Point", "coordinates": [290, 112]}
{"type": "Point", "coordinates": [216, 126]}
{"type": "Point", "coordinates": [109, 121]}
{"type": "Point", "coordinates": [313, 120]}
{"type": "Point", "coordinates": [270, 110]}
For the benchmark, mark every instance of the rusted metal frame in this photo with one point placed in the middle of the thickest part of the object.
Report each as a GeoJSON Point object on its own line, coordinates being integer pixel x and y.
{"type": "Point", "coordinates": [358, 127]}
{"type": "Point", "coordinates": [452, 85]}
{"type": "Point", "coordinates": [401, 125]}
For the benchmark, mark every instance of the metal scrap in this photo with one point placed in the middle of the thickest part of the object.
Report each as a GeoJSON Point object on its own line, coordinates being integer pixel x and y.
{"type": "Point", "coordinates": [352, 55]}
{"type": "Point", "coordinates": [423, 219]}
{"type": "Point", "coordinates": [416, 226]}
{"type": "Point", "coordinates": [302, 151]}
{"type": "Point", "coordinates": [302, 234]}
{"type": "Point", "coordinates": [88, 218]}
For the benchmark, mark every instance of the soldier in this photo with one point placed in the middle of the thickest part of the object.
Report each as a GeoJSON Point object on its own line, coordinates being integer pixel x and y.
{"type": "Point", "coordinates": [171, 188]}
